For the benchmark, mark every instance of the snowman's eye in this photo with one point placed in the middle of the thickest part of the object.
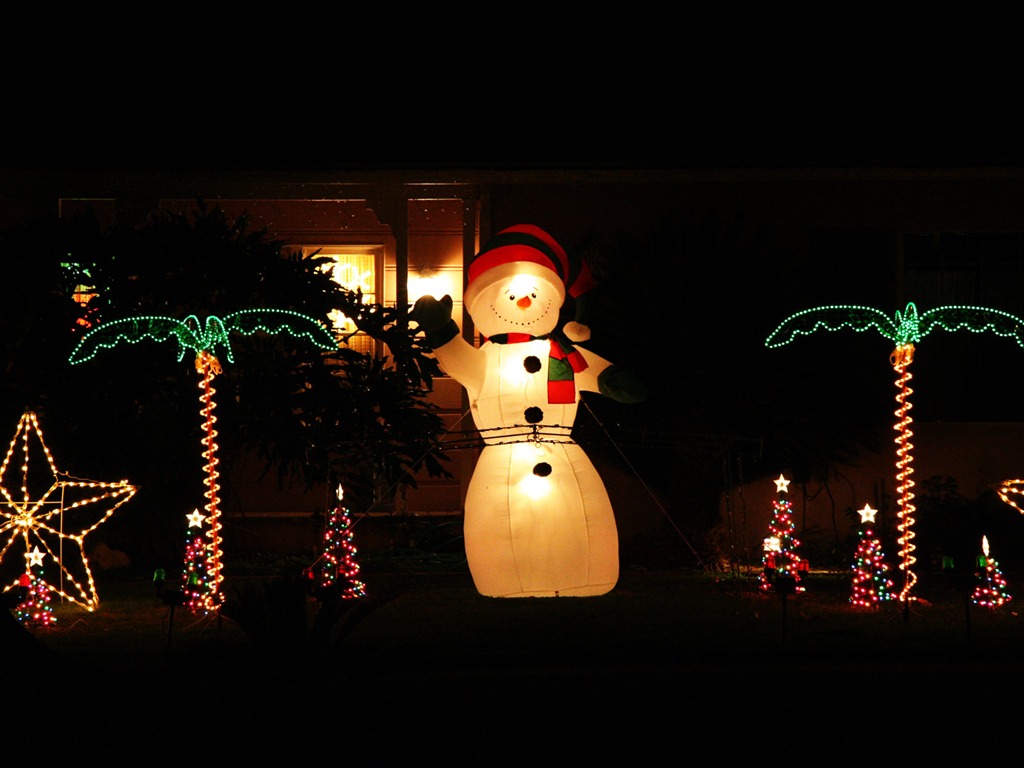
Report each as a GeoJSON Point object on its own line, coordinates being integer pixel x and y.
{"type": "Point", "coordinates": [533, 295]}
{"type": "Point", "coordinates": [511, 297]}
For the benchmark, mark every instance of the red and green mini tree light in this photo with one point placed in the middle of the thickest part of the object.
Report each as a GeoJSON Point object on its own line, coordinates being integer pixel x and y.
{"type": "Point", "coordinates": [782, 566]}
{"type": "Point", "coordinates": [203, 340]}
{"type": "Point", "coordinates": [871, 582]}
{"type": "Point", "coordinates": [196, 576]}
{"type": "Point", "coordinates": [36, 607]}
{"type": "Point", "coordinates": [991, 590]}
{"type": "Point", "coordinates": [905, 330]}
{"type": "Point", "coordinates": [336, 572]}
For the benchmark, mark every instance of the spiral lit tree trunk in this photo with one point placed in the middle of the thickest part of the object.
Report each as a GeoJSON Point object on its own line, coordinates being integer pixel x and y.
{"type": "Point", "coordinates": [207, 597]}
{"type": "Point", "coordinates": [901, 359]}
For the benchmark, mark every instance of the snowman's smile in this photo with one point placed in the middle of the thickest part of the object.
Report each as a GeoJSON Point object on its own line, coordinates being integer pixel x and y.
{"type": "Point", "coordinates": [521, 310]}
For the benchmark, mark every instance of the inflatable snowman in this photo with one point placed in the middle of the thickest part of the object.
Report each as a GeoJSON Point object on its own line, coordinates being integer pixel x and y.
{"type": "Point", "coordinates": [538, 520]}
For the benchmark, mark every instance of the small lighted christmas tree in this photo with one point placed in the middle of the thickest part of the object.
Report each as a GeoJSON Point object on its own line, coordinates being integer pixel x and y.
{"type": "Point", "coordinates": [36, 608]}
{"type": "Point", "coordinates": [991, 590]}
{"type": "Point", "coordinates": [871, 582]}
{"type": "Point", "coordinates": [783, 569]}
{"type": "Point", "coordinates": [195, 577]}
{"type": "Point", "coordinates": [337, 571]}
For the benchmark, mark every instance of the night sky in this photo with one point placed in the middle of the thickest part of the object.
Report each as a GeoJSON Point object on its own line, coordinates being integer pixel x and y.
{"type": "Point", "coordinates": [435, 87]}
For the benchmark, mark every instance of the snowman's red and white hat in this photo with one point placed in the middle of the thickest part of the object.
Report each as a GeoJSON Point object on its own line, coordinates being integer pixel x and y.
{"type": "Point", "coordinates": [525, 248]}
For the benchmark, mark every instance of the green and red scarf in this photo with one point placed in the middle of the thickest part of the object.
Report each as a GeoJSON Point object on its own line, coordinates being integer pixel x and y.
{"type": "Point", "coordinates": [564, 361]}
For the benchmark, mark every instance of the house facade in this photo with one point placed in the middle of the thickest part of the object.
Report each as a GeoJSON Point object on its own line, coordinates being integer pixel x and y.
{"type": "Point", "coordinates": [882, 236]}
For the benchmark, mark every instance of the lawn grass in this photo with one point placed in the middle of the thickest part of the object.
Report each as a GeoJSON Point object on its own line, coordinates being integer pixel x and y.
{"type": "Point", "coordinates": [427, 666]}
{"type": "Point", "coordinates": [436, 606]}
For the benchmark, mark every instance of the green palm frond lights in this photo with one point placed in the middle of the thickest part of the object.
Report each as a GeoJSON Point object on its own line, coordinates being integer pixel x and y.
{"type": "Point", "coordinates": [905, 330]}
{"type": "Point", "coordinates": [202, 337]}
{"type": "Point", "coordinates": [906, 327]}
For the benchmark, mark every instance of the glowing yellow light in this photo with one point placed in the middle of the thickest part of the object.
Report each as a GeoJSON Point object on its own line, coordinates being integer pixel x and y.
{"type": "Point", "coordinates": [867, 515]}
{"type": "Point", "coordinates": [349, 275]}
{"type": "Point", "coordinates": [522, 286]}
{"type": "Point", "coordinates": [782, 484]}
{"type": "Point", "coordinates": [43, 521]}
{"type": "Point", "coordinates": [1010, 490]}
{"type": "Point", "coordinates": [208, 366]}
{"type": "Point", "coordinates": [535, 487]}
{"type": "Point", "coordinates": [512, 372]}
{"type": "Point", "coordinates": [428, 283]}
{"type": "Point", "coordinates": [341, 322]}
{"type": "Point", "coordinates": [35, 557]}
{"type": "Point", "coordinates": [901, 359]}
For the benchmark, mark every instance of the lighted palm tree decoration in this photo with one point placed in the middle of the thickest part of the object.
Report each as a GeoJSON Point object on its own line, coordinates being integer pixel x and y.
{"type": "Point", "coordinates": [203, 340]}
{"type": "Point", "coordinates": [905, 330]}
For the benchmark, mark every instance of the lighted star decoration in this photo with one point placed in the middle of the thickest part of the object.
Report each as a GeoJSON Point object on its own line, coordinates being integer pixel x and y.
{"type": "Point", "coordinates": [195, 520]}
{"type": "Point", "coordinates": [782, 484]}
{"type": "Point", "coordinates": [46, 517]}
{"type": "Point", "coordinates": [1011, 491]}
{"type": "Point", "coordinates": [34, 558]}
{"type": "Point", "coordinates": [867, 515]}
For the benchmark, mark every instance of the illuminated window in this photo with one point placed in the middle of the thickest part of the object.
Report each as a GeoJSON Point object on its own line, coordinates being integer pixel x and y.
{"type": "Point", "coordinates": [355, 268]}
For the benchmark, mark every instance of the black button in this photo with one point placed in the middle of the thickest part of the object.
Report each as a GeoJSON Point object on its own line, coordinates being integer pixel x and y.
{"type": "Point", "coordinates": [533, 415]}
{"type": "Point", "coordinates": [543, 469]}
{"type": "Point", "coordinates": [531, 364]}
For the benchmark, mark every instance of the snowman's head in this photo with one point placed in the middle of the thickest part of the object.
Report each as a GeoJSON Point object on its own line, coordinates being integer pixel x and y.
{"type": "Point", "coordinates": [518, 282]}
{"type": "Point", "coordinates": [520, 297]}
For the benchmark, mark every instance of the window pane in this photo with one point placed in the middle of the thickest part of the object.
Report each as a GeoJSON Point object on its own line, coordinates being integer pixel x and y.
{"type": "Point", "coordinates": [354, 270]}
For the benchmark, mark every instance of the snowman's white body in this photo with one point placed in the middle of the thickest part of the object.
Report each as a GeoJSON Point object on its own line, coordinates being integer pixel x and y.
{"type": "Point", "coordinates": [528, 535]}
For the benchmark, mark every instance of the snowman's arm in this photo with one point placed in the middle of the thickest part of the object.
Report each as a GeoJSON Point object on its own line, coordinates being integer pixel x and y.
{"type": "Point", "coordinates": [456, 356]}
{"type": "Point", "coordinates": [434, 317]}
{"type": "Point", "coordinates": [612, 381]}
{"type": "Point", "coordinates": [462, 361]}
{"type": "Point", "coordinates": [587, 379]}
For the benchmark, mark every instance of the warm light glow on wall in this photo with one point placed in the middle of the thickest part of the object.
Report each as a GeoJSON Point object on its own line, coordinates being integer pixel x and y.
{"type": "Point", "coordinates": [429, 282]}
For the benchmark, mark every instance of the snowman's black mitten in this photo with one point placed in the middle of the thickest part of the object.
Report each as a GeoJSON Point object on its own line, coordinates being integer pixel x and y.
{"type": "Point", "coordinates": [621, 385]}
{"type": "Point", "coordinates": [434, 317]}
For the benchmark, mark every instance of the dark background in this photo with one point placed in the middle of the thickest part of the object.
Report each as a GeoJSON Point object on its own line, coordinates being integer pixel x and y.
{"type": "Point", "coordinates": [430, 86]}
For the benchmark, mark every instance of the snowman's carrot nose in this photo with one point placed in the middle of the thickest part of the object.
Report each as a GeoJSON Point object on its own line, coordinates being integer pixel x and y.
{"type": "Point", "coordinates": [524, 302]}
